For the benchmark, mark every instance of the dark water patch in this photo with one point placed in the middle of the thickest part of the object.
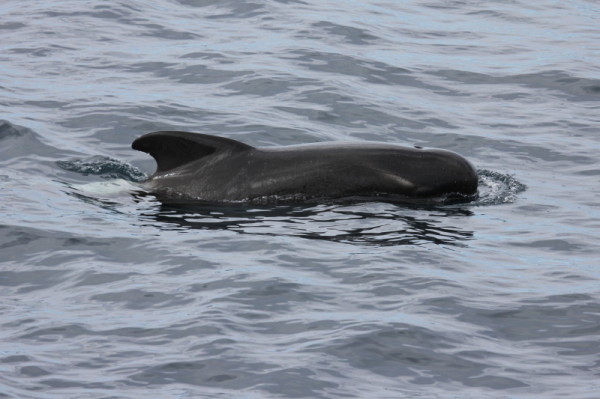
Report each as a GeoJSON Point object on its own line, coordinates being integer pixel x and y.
{"type": "Point", "coordinates": [537, 209]}
{"type": "Point", "coordinates": [292, 2]}
{"type": "Point", "coordinates": [15, 359]}
{"type": "Point", "coordinates": [33, 371]}
{"type": "Point", "coordinates": [237, 9]}
{"type": "Point", "coordinates": [344, 111]}
{"type": "Point", "coordinates": [228, 8]}
{"type": "Point", "coordinates": [552, 245]}
{"type": "Point", "coordinates": [221, 58]}
{"type": "Point", "coordinates": [584, 348]}
{"type": "Point", "coordinates": [348, 33]}
{"type": "Point", "coordinates": [569, 86]}
{"type": "Point", "coordinates": [36, 52]}
{"type": "Point", "coordinates": [50, 248]}
{"type": "Point", "coordinates": [120, 14]}
{"type": "Point", "coordinates": [371, 71]}
{"type": "Point", "coordinates": [589, 172]}
{"type": "Point", "coordinates": [95, 279]}
{"type": "Point", "coordinates": [51, 104]}
{"type": "Point", "coordinates": [139, 299]}
{"type": "Point", "coordinates": [99, 12]}
{"type": "Point", "coordinates": [502, 16]}
{"type": "Point", "coordinates": [120, 124]}
{"type": "Point", "coordinates": [68, 383]}
{"type": "Point", "coordinates": [262, 86]}
{"type": "Point", "coordinates": [273, 296]}
{"type": "Point", "coordinates": [18, 141]}
{"type": "Point", "coordinates": [235, 373]}
{"type": "Point", "coordinates": [28, 281]}
{"type": "Point", "coordinates": [14, 239]}
{"type": "Point", "coordinates": [163, 33]}
{"type": "Point", "coordinates": [191, 74]}
{"type": "Point", "coordinates": [559, 318]}
{"type": "Point", "coordinates": [12, 25]}
{"type": "Point", "coordinates": [71, 331]}
{"type": "Point", "coordinates": [418, 355]}
{"type": "Point", "coordinates": [522, 150]}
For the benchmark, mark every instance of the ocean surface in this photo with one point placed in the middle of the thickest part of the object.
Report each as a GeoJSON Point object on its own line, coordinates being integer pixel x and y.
{"type": "Point", "coordinates": [106, 293]}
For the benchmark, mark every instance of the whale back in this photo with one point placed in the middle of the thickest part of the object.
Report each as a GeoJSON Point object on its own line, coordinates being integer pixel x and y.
{"type": "Point", "coordinates": [210, 168]}
{"type": "Point", "coordinates": [172, 149]}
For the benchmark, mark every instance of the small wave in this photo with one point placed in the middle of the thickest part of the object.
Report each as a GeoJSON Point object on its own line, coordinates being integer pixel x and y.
{"type": "Point", "coordinates": [8, 129]}
{"type": "Point", "coordinates": [107, 168]}
{"type": "Point", "coordinates": [497, 188]}
{"type": "Point", "coordinates": [378, 224]}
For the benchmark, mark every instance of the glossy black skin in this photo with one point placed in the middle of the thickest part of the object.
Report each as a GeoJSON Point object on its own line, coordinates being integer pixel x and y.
{"type": "Point", "coordinates": [235, 172]}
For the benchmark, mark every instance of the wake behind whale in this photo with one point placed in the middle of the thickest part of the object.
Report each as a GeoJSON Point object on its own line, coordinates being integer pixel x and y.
{"type": "Point", "coordinates": [200, 167]}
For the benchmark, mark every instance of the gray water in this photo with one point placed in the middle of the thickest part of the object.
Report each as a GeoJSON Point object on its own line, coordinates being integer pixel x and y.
{"type": "Point", "coordinates": [114, 295]}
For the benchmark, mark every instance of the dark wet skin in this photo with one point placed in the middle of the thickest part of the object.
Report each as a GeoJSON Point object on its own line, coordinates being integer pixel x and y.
{"type": "Point", "coordinates": [208, 168]}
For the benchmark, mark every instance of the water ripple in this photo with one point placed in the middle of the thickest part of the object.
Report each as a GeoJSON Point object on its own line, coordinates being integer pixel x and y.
{"type": "Point", "coordinates": [107, 292]}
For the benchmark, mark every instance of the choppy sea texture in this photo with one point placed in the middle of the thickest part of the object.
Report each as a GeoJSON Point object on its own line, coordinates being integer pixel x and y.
{"type": "Point", "coordinates": [107, 293]}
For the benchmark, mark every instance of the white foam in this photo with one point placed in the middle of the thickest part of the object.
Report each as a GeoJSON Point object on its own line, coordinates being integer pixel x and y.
{"type": "Point", "coordinates": [107, 188]}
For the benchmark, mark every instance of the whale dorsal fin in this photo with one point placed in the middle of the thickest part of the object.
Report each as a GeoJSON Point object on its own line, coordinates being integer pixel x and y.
{"type": "Point", "coordinates": [171, 149]}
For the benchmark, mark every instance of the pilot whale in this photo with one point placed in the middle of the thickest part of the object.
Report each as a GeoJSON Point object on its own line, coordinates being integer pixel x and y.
{"type": "Point", "coordinates": [201, 167]}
